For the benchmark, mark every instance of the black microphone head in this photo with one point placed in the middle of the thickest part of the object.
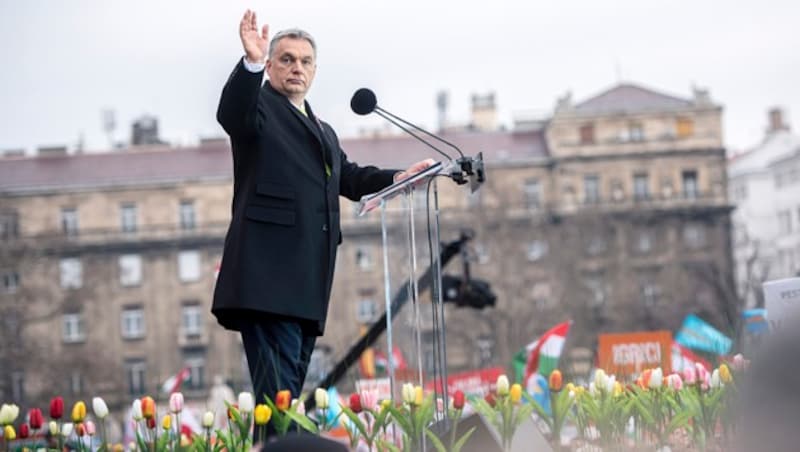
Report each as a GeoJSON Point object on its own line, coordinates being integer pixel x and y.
{"type": "Point", "coordinates": [363, 101]}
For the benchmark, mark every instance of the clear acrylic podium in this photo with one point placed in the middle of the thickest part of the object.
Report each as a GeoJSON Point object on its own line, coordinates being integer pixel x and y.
{"type": "Point", "coordinates": [409, 212]}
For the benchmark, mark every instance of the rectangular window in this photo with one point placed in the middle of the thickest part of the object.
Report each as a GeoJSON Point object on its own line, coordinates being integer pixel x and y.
{"type": "Point", "coordinates": [128, 217]}
{"type": "Point", "coordinates": [533, 194]}
{"type": "Point", "coordinates": [132, 322]}
{"type": "Point", "coordinates": [363, 258]}
{"type": "Point", "coordinates": [684, 127]}
{"type": "Point", "coordinates": [649, 292]}
{"type": "Point", "coordinates": [18, 385]}
{"type": "Point", "coordinates": [189, 266]}
{"type": "Point", "coordinates": [71, 273]}
{"type": "Point", "coordinates": [192, 319]}
{"type": "Point", "coordinates": [596, 288]}
{"type": "Point", "coordinates": [536, 250]}
{"type": "Point", "coordinates": [591, 189]}
{"type": "Point", "coordinates": [135, 370]}
{"type": "Point", "coordinates": [694, 235]}
{"type": "Point", "coordinates": [643, 242]}
{"type": "Point", "coordinates": [130, 270]}
{"type": "Point", "coordinates": [10, 280]}
{"type": "Point", "coordinates": [197, 370]}
{"type": "Point", "coordinates": [9, 225]}
{"type": "Point", "coordinates": [76, 383]}
{"type": "Point", "coordinates": [69, 220]}
{"type": "Point", "coordinates": [73, 328]}
{"type": "Point", "coordinates": [636, 132]}
{"type": "Point", "coordinates": [367, 311]}
{"type": "Point", "coordinates": [587, 134]}
{"type": "Point", "coordinates": [641, 187]}
{"type": "Point", "coordinates": [186, 214]}
{"type": "Point", "coordinates": [690, 189]}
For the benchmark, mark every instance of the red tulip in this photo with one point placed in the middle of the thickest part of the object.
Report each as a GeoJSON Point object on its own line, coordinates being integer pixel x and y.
{"type": "Point", "coordinates": [56, 407]}
{"type": "Point", "coordinates": [355, 402]}
{"type": "Point", "coordinates": [283, 399]}
{"type": "Point", "coordinates": [151, 422]}
{"type": "Point", "coordinates": [80, 429]}
{"type": "Point", "coordinates": [231, 408]}
{"type": "Point", "coordinates": [24, 431]}
{"type": "Point", "coordinates": [148, 407]}
{"type": "Point", "coordinates": [458, 399]}
{"type": "Point", "coordinates": [490, 399]}
{"type": "Point", "coordinates": [35, 418]}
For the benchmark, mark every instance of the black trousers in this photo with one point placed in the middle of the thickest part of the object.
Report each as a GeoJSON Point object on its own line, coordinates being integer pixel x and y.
{"type": "Point", "coordinates": [278, 351]}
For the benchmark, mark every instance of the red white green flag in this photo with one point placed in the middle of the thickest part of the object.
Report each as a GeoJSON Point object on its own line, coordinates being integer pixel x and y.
{"type": "Point", "coordinates": [543, 353]}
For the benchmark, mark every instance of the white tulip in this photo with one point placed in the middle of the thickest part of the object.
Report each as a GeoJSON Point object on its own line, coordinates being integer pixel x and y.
{"type": "Point", "coordinates": [100, 408]}
{"type": "Point", "coordinates": [502, 385]}
{"type": "Point", "coordinates": [408, 393]}
{"type": "Point", "coordinates": [321, 398]}
{"type": "Point", "coordinates": [656, 378]}
{"type": "Point", "coordinates": [136, 410]}
{"type": "Point", "coordinates": [208, 419]}
{"type": "Point", "coordinates": [8, 413]}
{"type": "Point", "coordinates": [246, 403]}
{"type": "Point", "coordinates": [66, 429]}
{"type": "Point", "coordinates": [600, 379]}
{"type": "Point", "coordinates": [715, 381]}
{"type": "Point", "coordinates": [53, 427]}
{"type": "Point", "coordinates": [610, 383]}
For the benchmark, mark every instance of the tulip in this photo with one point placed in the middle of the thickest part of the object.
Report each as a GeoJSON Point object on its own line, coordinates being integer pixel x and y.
{"type": "Point", "coordinates": [246, 402]}
{"type": "Point", "coordinates": [690, 375]}
{"type": "Point", "coordinates": [78, 412]}
{"type": "Point", "coordinates": [8, 413]}
{"type": "Point", "coordinates": [208, 419]}
{"type": "Point", "coordinates": [408, 393]}
{"type": "Point", "coordinates": [355, 402]}
{"type": "Point", "coordinates": [91, 429]}
{"type": "Point", "coordinates": [555, 381]}
{"type": "Point", "coordinates": [579, 390]}
{"type": "Point", "coordinates": [283, 400]}
{"type": "Point", "coordinates": [569, 386]}
{"type": "Point", "coordinates": [148, 407]}
{"type": "Point", "coordinates": [176, 402]}
{"type": "Point", "coordinates": [502, 385]}
{"type": "Point", "coordinates": [53, 427]}
{"type": "Point", "coordinates": [35, 418]}
{"type": "Point", "coordinates": [725, 373]}
{"type": "Point", "coordinates": [100, 408]}
{"type": "Point", "coordinates": [385, 404]}
{"type": "Point", "coordinates": [262, 414]}
{"type": "Point", "coordinates": [80, 430]}
{"type": "Point", "coordinates": [515, 392]}
{"type": "Point", "coordinates": [231, 409]}
{"type": "Point", "coordinates": [702, 373]}
{"type": "Point", "coordinates": [656, 378]}
{"type": "Point", "coordinates": [611, 382]}
{"type": "Point", "coordinates": [150, 422]}
{"type": "Point", "coordinates": [24, 431]}
{"type": "Point", "coordinates": [321, 398]}
{"type": "Point", "coordinates": [66, 429]}
{"type": "Point", "coordinates": [738, 362]}
{"type": "Point", "coordinates": [600, 378]}
{"type": "Point", "coordinates": [458, 399]}
{"type": "Point", "coordinates": [714, 380]}
{"type": "Point", "coordinates": [166, 423]}
{"type": "Point", "coordinates": [56, 407]}
{"type": "Point", "coordinates": [136, 410]}
{"type": "Point", "coordinates": [674, 382]}
{"type": "Point", "coordinates": [419, 396]}
{"type": "Point", "coordinates": [9, 434]}
{"type": "Point", "coordinates": [490, 399]}
{"type": "Point", "coordinates": [617, 389]}
{"type": "Point", "coordinates": [299, 408]}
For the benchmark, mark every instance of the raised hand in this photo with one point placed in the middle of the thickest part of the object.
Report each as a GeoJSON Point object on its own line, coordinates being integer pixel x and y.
{"type": "Point", "coordinates": [255, 44]}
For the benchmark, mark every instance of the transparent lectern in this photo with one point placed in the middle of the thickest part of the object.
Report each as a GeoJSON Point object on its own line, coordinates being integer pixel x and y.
{"type": "Point", "coordinates": [415, 336]}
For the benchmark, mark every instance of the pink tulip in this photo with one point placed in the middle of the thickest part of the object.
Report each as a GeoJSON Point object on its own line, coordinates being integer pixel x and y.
{"type": "Point", "coordinates": [369, 399]}
{"type": "Point", "coordinates": [690, 375]}
{"type": "Point", "coordinates": [738, 362]}
{"type": "Point", "coordinates": [675, 382]}
{"type": "Point", "coordinates": [90, 428]}
{"type": "Point", "coordinates": [176, 402]}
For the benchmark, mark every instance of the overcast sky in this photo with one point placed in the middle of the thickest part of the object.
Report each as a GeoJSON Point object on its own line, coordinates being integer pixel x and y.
{"type": "Point", "coordinates": [63, 62]}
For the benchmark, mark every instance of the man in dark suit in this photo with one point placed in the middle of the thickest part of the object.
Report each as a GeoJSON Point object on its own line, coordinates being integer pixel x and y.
{"type": "Point", "coordinates": [275, 280]}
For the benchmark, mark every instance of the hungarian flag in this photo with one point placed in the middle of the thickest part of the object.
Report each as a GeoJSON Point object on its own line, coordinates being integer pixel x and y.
{"type": "Point", "coordinates": [173, 383]}
{"type": "Point", "coordinates": [397, 360]}
{"type": "Point", "coordinates": [541, 356]}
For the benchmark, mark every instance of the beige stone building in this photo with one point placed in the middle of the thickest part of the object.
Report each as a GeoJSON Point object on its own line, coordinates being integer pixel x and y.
{"type": "Point", "coordinates": [613, 213]}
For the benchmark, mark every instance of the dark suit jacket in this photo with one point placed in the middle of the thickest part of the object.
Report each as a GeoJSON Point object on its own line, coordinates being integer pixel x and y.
{"type": "Point", "coordinates": [281, 245]}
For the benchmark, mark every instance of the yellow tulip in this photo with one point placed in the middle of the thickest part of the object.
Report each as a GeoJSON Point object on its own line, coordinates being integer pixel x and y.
{"type": "Point", "coordinates": [570, 387]}
{"type": "Point", "coordinates": [419, 396]}
{"type": "Point", "coordinates": [262, 414]}
{"type": "Point", "coordinates": [166, 422]}
{"type": "Point", "coordinates": [516, 392]}
{"type": "Point", "coordinates": [725, 373]}
{"type": "Point", "coordinates": [9, 434]}
{"type": "Point", "coordinates": [385, 404]}
{"type": "Point", "coordinates": [78, 412]}
{"type": "Point", "coordinates": [617, 389]}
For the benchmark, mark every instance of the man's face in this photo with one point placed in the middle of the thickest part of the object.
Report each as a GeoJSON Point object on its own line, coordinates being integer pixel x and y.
{"type": "Point", "coordinates": [291, 68]}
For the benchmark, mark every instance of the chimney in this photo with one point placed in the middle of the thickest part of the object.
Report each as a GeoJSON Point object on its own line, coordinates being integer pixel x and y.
{"type": "Point", "coordinates": [775, 117]}
{"type": "Point", "coordinates": [51, 151]}
{"type": "Point", "coordinates": [484, 112]}
{"type": "Point", "coordinates": [441, 108]}
{"type": "Point", "coordinates": [145, 131]}
{"type": "Point", "coordinates": [13, 153]}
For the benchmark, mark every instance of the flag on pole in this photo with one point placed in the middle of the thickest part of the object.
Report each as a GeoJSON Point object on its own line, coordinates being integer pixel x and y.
{"type": "Point", "coordinates": [173, 383]}
{"type": "Point", "coordinates": [397, 360]}
{"type": "Point", "coordinates": [541, 356]}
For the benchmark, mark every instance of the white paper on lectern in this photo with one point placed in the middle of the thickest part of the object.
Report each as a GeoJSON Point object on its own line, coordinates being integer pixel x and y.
{"type": "Point", "coordinates": [373, 200]}
{"type": "Point", "coordinates": [782, 300]}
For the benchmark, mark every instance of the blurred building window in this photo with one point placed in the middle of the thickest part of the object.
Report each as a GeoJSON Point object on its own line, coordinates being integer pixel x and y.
{"type": "Point", "coordinates": [595, 284]}
{"type": "Point", "coordinates": [636, 131]}
{"type": "Point", "coordinates": [133, 326]}
{"type": "Point", "coordinates": [649, 292]}
{"type": "Point", "coordinates": [135, 370]}
{"type": "Point", "coordinates": [684, 127]}
{"type": "Point", "coordinates": [690, 189]}
{"type": "Point", "coordinates": [192, 318]}
{"type": "Point", "coordinates": [482, 253]}
{"type": "Point", "coordinates": [644, 242]}
{"type": "Point", "coordinates": [187, 215]}
{"type": "Point", "coordinates": [537, 249]}
{"type": "Point", "coordinates": [533, 194]}
{"type": "Point", "coordinates": [366, 310]}
{"type": "Point", "coordinates": [641, 187]}
{"type": "Point", "coordinates": [128, 216]}
{"type": "Point", "coordinates": [591, 189]}
{"type": "Point", "coordinates": [189, 265]}
{"type": "Point", "coordinates": [694, 235]}
{"type": "Point", "coordinates": [9, 225]}
{"type": "Point", "coordinates": [596, 245]}
{"type": "Point", "coordinates": [363, 258]}
{"type": "Point", "coordinates": [76, 383]}
{"type": "Point", "coordinates": [69, 220]}
{"type": "Point", "coordinates": [197, 370]}
{"type": "Point", "coordinates": [71, 270]}
{"type": "Point", "coordinates": [587, 134]}
{"type": "Point", "coordinates": [10, 280]}
{"type": "Point", "coordinates": [73, 328]}
{"type": "Point", "coordinates": [18, 385]}
{"type": "Point", "coordinates": [130, 270]}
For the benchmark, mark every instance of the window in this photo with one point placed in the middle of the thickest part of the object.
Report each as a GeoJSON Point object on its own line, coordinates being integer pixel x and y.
{"type": "Point", "coordinates": [197, 369]}
{"type": "Point", "coordinates": [533, 194]}
{"type": "Point", "coordinates": [587, 134]}
{"type": "Point", "coordinates": [128, 217]}
{"type": "Point", "coordinates": [71, 273]}
{"type": "Point", "coordinates": [542, 298]}
{"type": "Point", "coordinates": [73, 329]}
{"type": "Point", "coordinates": [10, 280]}
{"type": "Point", "coordinates": [18, 385]}
{"type": "Point", "coordinates": [189, 266]}
{"type": "Point", "coordinates": [636, 132]}
{"type": "Point", "coordinates": [186, 215]}
{"type": "Point", "coordinates": [133, 322]}
{"type": "Point", "coordinates": [641, 189]}
{"type": "Point", "coordinates": [694, 235]}
{"type": "Point", "coordinates": [617, 192]}
{"type": "Point", "coordinates": [649, 292]}
{"type": "Point", "coordinates": [135, 370]}
{"type": "Point", "coordinates": [192, 319]}
{"type": "Point", "coordinates": [644, 242]}
{"type": "Point", "coordinates": [596, 245]}
{"type": "Point", "coordinates": [9, 225]}
{"type": "Point", "coordinates": [784, 222]}
{"type": "Point", "coordinates": [484, 351]}
{"type": "Point", "coordinates": [69, 220]}
{"type": "Point", "coordinates": [130, 270]}
{"type": "Point", "coordinates": [76, 383]}
{"type": "Point", "coordinates": [591, 189]}
{"type": "Point", "coordinates": [367, 311]}
{"type": "Point", "coordinates": [690, 184]}
{"type": "Point", "coordinates": [482, 253]}
{"type": "Point", "coordinates": [684, 127]}
{"type": "Point", "coordinates": [363, 258]}
{"type": "Point", "coordinates": [595, 284]}
{"type": "Point", "coordinates": [536, 250]}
